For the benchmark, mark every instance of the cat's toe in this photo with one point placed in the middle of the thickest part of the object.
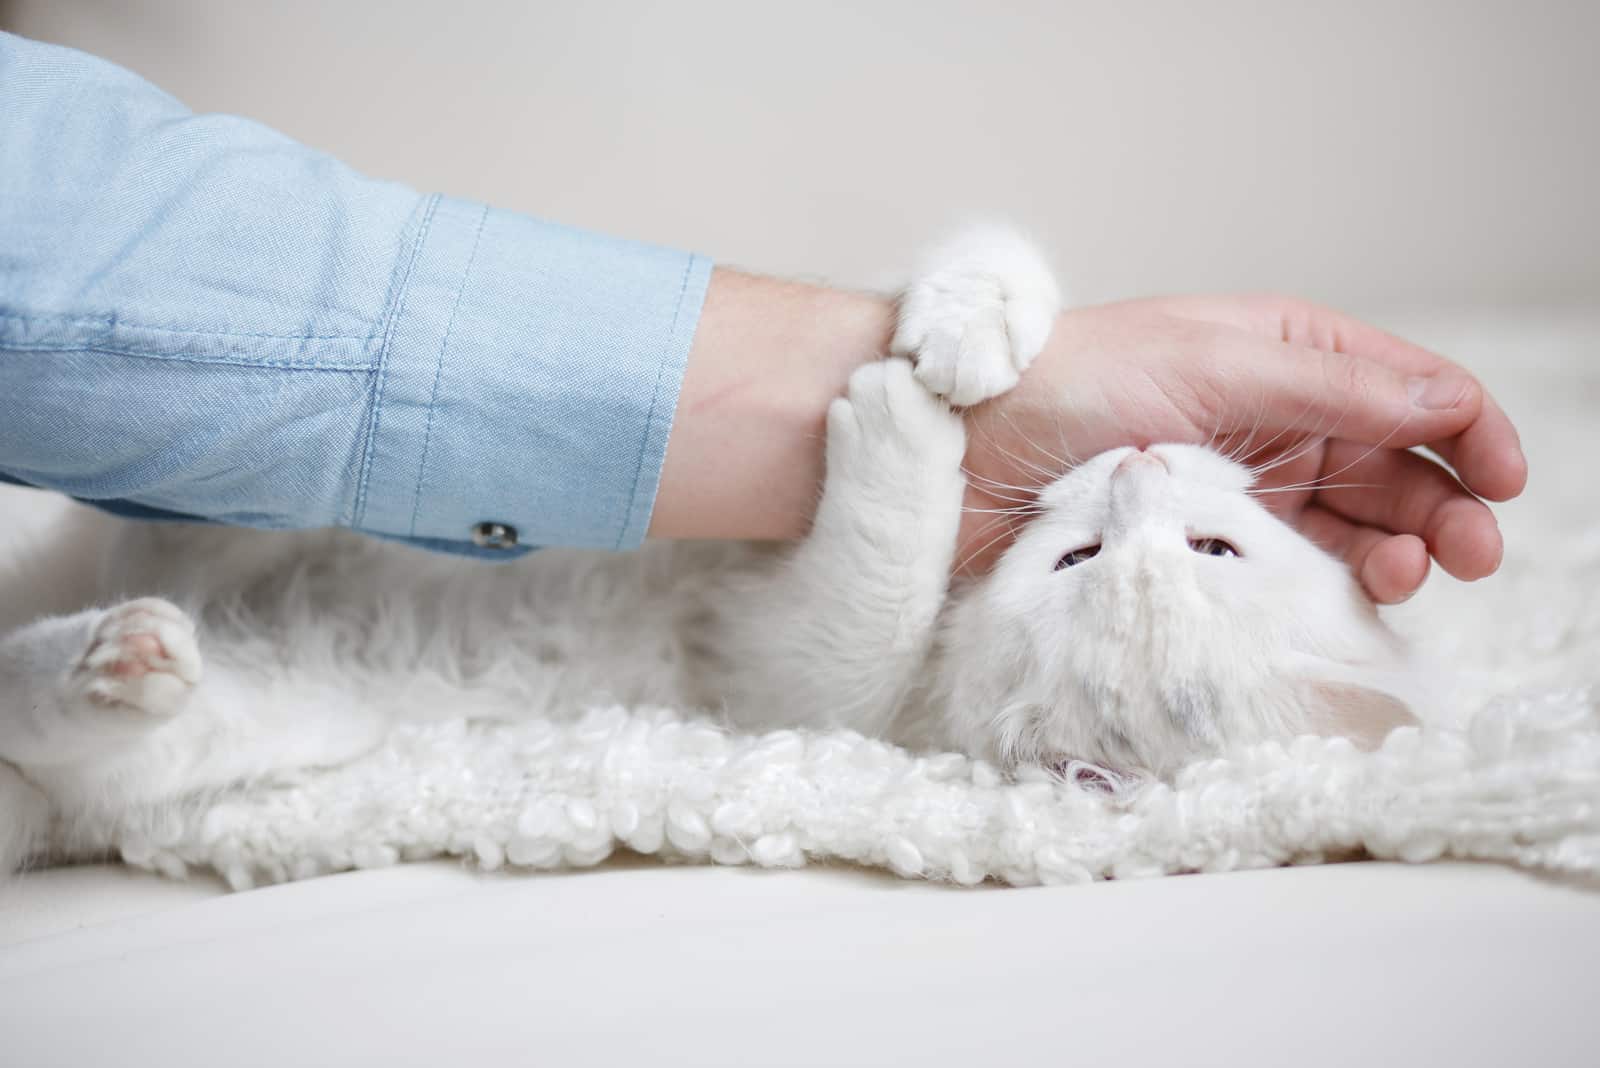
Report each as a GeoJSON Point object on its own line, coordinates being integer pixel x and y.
{"type": "Point", "coordinates": [142, 658]}
{"type": "Point", "coordinates": [967, 360]}
{"type": "Point", "coordinates": [977, 318]}
{"type": "Point", "coordinates": [1031, 312]}
{"type": "Point", "coordinates": [885, 411]}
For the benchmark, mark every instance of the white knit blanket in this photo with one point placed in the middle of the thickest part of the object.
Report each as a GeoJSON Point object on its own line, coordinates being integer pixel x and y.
{"type": "Point", "coordinates": [1516, 780]}
{"type": "Point", "coordinates": [1522, 785]}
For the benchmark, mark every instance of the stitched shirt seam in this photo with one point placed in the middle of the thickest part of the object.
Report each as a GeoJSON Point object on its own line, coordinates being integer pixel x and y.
{"type": "Point", "coordinates": [655, 400]}
{"type": "Point", "coordinates": [398, 287]}
{"type": "Point", "coordinates": [363, 367]}
{"type": "Point", "coordinates": [438, 370]}
{"type": "Point", "coordinates": [111, 322]}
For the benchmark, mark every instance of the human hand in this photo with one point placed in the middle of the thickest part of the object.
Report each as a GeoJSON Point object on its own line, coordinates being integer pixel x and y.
{"type": "Point", "coordinates": [1325, 405]}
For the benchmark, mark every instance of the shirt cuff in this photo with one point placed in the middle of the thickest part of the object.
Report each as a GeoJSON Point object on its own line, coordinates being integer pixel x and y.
{"type": "Point", "coordinates": [529, 379]}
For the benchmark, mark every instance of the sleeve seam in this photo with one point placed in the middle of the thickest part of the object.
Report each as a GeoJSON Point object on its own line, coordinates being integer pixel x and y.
{"type": "Point", "coordinates": [438, 371]}
{"type": "Point", "coordinates": [363, 367]}
{"type": "Point", "coordinates": [111, 322]}
{"type": "Point", "coordinates": [655, 401]}
{"type": "Point", "coordinates": [397, 288]}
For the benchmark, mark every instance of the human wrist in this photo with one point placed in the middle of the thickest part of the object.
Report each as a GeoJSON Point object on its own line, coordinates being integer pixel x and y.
{"type": "Point", "coordinates": [745, 456]}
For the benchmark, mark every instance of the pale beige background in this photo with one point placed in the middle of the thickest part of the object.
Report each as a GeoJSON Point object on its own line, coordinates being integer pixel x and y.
{"type": "Point", "coordinates": [1378, 155]}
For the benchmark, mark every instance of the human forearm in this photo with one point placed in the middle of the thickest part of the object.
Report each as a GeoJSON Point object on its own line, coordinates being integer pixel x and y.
{"type": "Point", "coordinates": [745, 457]}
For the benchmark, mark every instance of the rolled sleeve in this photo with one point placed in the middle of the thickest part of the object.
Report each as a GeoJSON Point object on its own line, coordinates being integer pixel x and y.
{"type": "Point", "coordinates": [530, 378]}
{"type": "Point", "coordinates": [202, 320]}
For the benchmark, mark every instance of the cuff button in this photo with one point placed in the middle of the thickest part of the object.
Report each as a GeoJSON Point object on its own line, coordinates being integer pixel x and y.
{"type": "Point", "coordinates": [490, 535]}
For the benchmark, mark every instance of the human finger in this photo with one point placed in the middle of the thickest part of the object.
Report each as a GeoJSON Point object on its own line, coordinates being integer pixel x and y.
{"type": "Point", "coordinates": [1391, 567]}
{"type": "Point", "coordinates": [1324, 392]}
{"type": "Point", "coordinates": [1486, 454]}
{"type": "Point", "coordinates": [1404, 493]}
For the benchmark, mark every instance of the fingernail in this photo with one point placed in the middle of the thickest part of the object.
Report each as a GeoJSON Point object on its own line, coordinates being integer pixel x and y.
{"type": "Point", "coordinates": [1437, 392]}
{"type": "Point", "coordinates": [1404, 597]}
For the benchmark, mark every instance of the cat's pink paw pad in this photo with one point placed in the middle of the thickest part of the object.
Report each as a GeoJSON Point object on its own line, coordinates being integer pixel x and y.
{"type": "Point", "coordinates": [142, 658]}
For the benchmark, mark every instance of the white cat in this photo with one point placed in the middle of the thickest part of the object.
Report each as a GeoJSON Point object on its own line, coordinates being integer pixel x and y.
{"type": "Point", "coordinates": [1151, 613]}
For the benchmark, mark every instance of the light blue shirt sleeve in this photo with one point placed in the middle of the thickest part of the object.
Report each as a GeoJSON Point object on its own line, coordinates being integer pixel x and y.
{"type": "Point", "coordinates": [201, 318]}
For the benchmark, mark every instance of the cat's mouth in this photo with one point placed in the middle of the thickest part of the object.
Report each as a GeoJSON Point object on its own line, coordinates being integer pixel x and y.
{"type": "Point", "coordinates": [1096, 778]}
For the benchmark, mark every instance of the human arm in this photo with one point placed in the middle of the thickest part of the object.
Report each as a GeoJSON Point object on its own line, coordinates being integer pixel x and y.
{"type": "Point", "coordinates": [200, 318]}
{"type": "Point", "coordinates": [1266, 378]}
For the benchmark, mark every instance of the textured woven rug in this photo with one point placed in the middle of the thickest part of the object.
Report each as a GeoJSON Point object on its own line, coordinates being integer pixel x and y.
{"type": "Point", "coordinates": [1513, 775]}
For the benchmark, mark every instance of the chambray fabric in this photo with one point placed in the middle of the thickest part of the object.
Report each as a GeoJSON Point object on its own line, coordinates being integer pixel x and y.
{"type": "Point", "coordinates": [200, 318]}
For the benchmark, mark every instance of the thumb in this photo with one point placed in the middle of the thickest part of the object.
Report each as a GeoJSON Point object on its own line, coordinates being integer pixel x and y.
{"type": "Point", "coordinates": [1336, 394]}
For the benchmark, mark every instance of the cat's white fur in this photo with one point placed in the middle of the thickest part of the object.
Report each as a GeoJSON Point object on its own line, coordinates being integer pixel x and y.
{"type": "Point", "coordinates": [976, 313]}
{"type": "Point", "coordinates": [143, 662]}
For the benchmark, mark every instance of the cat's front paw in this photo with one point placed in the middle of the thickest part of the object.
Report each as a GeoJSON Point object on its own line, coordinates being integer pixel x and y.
{"type": "Point", "coordinates": [142, 659]}
{"type": "Point", "coordinates": [978, 315]}
{"type": "Point", "coordinates": [886, 425]}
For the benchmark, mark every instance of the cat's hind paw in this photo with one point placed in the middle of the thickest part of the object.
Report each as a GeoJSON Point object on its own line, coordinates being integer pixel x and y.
{"type": "Point", "coordinates": [977, 315]}
{"type": "Point", "coordinates": [142, 659]}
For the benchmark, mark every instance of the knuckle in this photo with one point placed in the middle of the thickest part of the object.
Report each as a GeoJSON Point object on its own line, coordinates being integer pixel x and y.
{"type": "Point", "coordinates": [1347, 376]}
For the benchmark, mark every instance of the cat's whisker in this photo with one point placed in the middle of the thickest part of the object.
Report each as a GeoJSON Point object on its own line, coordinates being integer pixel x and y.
{"type": "Point", "coordinates": [1316, 486]}
{"type": "Point", "coordinates": [1043, 472]}
{"type": "Point", "coordinates": [1016, 504]}
{"type": "Point", "coordinates": [1026, 490]}
{"type": "Point", "coordinates": [1060, 462]}
{"type": "Point", "coordinates": [1027, 501]}
{"type": "Point", "coordinates": [1007, 530]}
{"type": "Point", "coordinates": [1255, 426]}
{"type": "Point", "coordinates": [1360, 459]}
{"type": "Point", "coordinates": [1061, 439]}
{"type": "Point", "coordinates": [1247, 457]}
{"type": "Point", "coordinates": [1321, 481]}
{"type": "Point", "coordinates": [996, 483]}
{"type": "Point", "coordinates": [1313, 440]}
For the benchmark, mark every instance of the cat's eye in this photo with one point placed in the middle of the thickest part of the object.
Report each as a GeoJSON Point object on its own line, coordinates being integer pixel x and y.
{"type": "Point", "coordinates": [1213, 547]}
{"type": "Point", "coordinates": [1077, 556]}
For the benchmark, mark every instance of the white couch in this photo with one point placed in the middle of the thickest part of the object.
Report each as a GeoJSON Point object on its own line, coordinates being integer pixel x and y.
{"type": "Point", "coordinates": [1367, 963]}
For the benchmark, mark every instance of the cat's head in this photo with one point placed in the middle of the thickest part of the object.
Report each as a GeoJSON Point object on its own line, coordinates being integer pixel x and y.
{"type": "Point", "coordinates": [1153, 613]}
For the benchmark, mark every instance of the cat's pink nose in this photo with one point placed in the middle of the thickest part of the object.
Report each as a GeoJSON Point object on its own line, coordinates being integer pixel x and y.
{"type": "Point", "coordinates": [1140, 458]}
{"type": "Point", "coordinates": [1139, 480]}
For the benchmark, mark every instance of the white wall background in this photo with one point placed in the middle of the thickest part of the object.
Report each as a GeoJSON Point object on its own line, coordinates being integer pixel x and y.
{"type": "Point", "coordinates": [1376, 154]}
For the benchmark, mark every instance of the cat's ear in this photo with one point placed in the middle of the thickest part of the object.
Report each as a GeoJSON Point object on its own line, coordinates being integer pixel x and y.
{"type": "Point", "coordinates": [1359, 713]}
